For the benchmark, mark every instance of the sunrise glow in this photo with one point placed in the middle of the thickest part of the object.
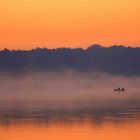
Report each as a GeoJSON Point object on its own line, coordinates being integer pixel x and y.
{"type": "Point", "coordinates": [26, 24]}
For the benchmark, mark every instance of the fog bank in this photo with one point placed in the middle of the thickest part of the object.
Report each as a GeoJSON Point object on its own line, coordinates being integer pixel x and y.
{"type": "Point", "coordinates": [69, 89]}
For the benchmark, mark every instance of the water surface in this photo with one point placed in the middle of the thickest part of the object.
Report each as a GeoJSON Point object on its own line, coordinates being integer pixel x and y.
{"type": "Point", "coordinates": [69, 107]}
{"type": "Point", "coordinates": [84, 119]}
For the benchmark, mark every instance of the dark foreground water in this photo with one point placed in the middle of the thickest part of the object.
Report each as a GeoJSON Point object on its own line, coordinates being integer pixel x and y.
{"type": "Point", "coordinates": [114, 118]}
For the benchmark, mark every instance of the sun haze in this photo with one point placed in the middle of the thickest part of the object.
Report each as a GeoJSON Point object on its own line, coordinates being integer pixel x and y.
{"type": "Point", "coordinates": [26, 24]}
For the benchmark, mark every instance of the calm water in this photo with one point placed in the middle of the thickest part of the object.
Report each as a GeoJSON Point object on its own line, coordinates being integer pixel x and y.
{"type": "Point", "coordinates": [115, 118]}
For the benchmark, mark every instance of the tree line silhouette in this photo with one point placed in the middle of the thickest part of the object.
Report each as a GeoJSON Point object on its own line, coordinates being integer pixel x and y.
{"type": "Point", "coordinates": [119, 60]}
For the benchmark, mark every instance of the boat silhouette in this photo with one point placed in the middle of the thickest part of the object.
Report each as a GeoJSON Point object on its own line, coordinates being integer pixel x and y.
{"type": "Point", "coordinates": [119, 89]}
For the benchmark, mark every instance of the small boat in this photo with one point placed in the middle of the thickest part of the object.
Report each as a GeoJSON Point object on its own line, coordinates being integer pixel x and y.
{"type": "Point", "coordinates": [119, 89]}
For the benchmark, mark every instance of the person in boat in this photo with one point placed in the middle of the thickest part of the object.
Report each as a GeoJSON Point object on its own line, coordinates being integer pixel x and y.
{"type": "Point", "coordinates": [122, 89]}
{"type": "Point", "coordinates": [119, 89]}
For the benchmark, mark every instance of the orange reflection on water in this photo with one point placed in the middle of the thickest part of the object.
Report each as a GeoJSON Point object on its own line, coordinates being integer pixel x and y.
{"type": "Point", "coordinates": [74, 131]}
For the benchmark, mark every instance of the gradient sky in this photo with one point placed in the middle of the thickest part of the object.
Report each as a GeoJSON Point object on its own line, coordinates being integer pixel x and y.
{"type": "Point", "coordinates": [26, 24]}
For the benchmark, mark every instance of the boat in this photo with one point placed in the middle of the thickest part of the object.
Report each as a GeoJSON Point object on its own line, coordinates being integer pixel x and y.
{"type": "Point", "coordinates": [119, 89]}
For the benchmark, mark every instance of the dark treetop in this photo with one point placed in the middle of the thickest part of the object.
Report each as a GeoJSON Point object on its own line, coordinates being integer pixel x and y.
{"type": "Point", "coordinates": [117, 60]}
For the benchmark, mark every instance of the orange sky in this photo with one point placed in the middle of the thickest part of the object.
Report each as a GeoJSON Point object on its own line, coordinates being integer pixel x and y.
{"type": "Point", "coordinates": [26, 24]}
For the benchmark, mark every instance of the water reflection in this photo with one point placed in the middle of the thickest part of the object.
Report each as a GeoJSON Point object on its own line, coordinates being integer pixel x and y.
{"type": "Point", "coordinates": [97, 116]}
{"type": "Point", "coordinates": [71, 120]}
{"type": "Point", "coordinates": [71, 124]}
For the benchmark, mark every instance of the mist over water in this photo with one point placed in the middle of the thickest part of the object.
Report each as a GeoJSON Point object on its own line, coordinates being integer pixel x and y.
{"type": "Point", "coordinates": [68, 95]}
